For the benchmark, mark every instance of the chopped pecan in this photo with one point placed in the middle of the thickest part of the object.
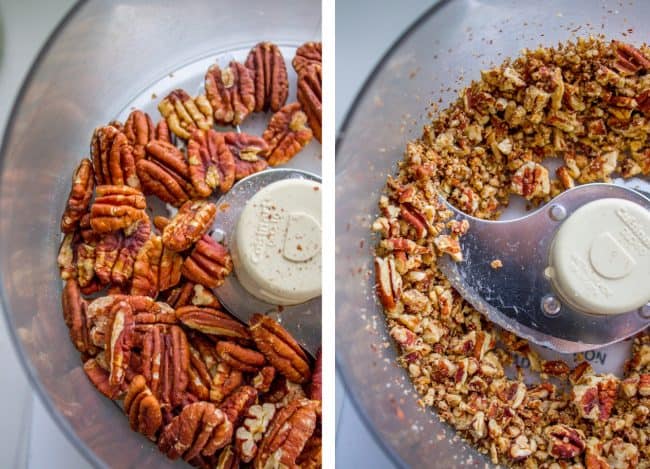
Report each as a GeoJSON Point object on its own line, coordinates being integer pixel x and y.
{"type": "Point", "coordinates": [389, 282]}
{"type": "Point", "coordinates": [191, 222]}
{"type": "Point", "coordinates": [565, 442]}
{"type": "Point", "coordinates": [287, 434]}
{"type": "Point", "coordinates": [225, 380]}
{"type": "Point", "coordinates": [185, 114]}
{"type": "Point", "coordinates": [208, 264]}
{"type": "Point", "coordinates": [231, 92]}
{"type": "Point", "coordinates": [269, 72]}
{"type": "Point", "coordinates": [555, 368]}
{"type": "Point", "coordinates": [629, 59]}
{"type": "Point", "coordinates": [621, 454]}
{"type": "Point", "coordinates": [240, 358]}
{"type": "Point", "coordinates": [448, 244]}
{"type": "Point", "coordinates": [310, 97]}
{"type": "Point", "coordinates": [287, 134]}
{"type": "Point", "coordinates": [139, 131]}
{"type": "Point", "coordinates": [280, 348]}
{"type": "Point", "coordinates": [307, 54]}
{"type": "Point", "coordinates": [117, 207]}
{"type": "Point", "coordinates": [211, 321]}
{"type": "Point", "coordinates": [594, 397]}
{"type": "Point", "coordinates": [113, 158]}
{"type": "Point", "coordinates": [212, 164]}
{"type": "Point", "coordinates": [156, 269]}
{"type": "Point", "coordinates": [143, 408]}
{"type": "Point", "coordinates": [248, 435]}
{"type": "Point", "coordinates": [83, 185]}
{"type": "Point", "coordinates": [249, 153]}
{"type": "Point", "coordinates": [165, 173]}
{"type": "Point", "coordinates": [237, 404]}
{"type": "Point", "coordinates": [74, 314]}
{"type": "Point", "coordinates": [316, 386]}
{"type": "Point", "coordinates": [531, 180]}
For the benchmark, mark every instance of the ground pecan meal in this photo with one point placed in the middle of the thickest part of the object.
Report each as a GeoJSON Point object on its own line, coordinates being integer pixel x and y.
{"type": "Point", "coordinates": [138, 297]}
{"type": "Point", "coordinates": [586, 102]}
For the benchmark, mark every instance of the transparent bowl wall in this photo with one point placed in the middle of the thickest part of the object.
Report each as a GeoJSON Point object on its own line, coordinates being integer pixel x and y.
{"type": "Point", "coordinates": [443, 51]}
{"type": "Point", "coordinates": [102, 56]}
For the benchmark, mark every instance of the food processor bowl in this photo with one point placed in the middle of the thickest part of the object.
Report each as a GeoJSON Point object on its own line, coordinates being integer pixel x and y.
{"type": "Point", "coordinates": [440, 54]}
{"type": "Point", "coordinates": [103, 56]}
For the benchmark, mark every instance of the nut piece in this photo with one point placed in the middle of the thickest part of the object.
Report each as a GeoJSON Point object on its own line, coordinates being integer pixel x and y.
{"type": "Point", "coordinates": [156, 269]}
{"type": "Point", "coordinates": [209, 264]}
{"type": "Point", "coordinates": [531, 180]}
{"type": "Point", "coordinates": [191, 294]}
{"type": "Point", "coordinates": [231, 92]}
{"type": "Point", "coordinates": [594, 397]}
{"type": "Point", "coordinates": [139, 131]}
{"type": "Point", "coordinates": [280, 348]}
{"type": "Point", "coordinates": [113, 158]}
{"type": "Point", "coordinates": [165, 173]}
{"type": "Point", "coordinates": [143, 408]}
{"type": "Point", "coordinates": [310, 97]}
{"type": "Point", "coordinates": [212, 322]}
{"type": "Point", "coordinates": [248, 435]}
{"type": "Point", "coordinates": [83, 185]}
{"type": "Point", "coordinates": [99, 377]}
{"type": "Point", "coordinates": [249, 153]}
{"type": "Point", "coordinates": [263, 380]}
{"type": "Point", "coordinates": [190, 223]}
{"type": "Point", "coordinates": [184, 115]}
{"type": "Point", "coordinates": [629, 59]}
{"type": "Point", "coordinates": [74, 314]}
{"type": "Point", "coordinates": [212, 165]}
{"type": "Point", "coordinates": [226, 379]}
{"type": "Point", "coordinates": [565, 442]}
{"type": "Point", "coordinates": [389, 282]}
{"type": "Point", "coordinates": [240, 358]}
{"type": "Point", "coordinates": [287, 435]}
{"type": "Point", "coordinates": [308, 54]}
{"type": "Point", "coordinates": [287, 134]}
{"type": "Point", "coordinates": [312, 455]}
{"type": "Point", "coordinates": [269, 71]}
{"type": "Point", "coordinates": [117, 208]}
{"type": "Point", "coordinates": [316, 387]}
{"type": "Point", "coordinates": [237, 404]}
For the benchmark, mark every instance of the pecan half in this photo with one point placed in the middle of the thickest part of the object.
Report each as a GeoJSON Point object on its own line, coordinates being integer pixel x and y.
{"type": "Point", "coordinates": [316, 386]}
{"type": "Point", "coordinates": [156, 269]}
{"type": "Point", "coordinates": [287, 435]}
{"type": "Point", "coordinates": [212, 164]}
{"type": "Point", "coordinates": [389, 282]}
{"type": "Point", "coordinates": [307, 54]}
{"type": "Point", "coordinates": [139, 131]}
{"type": "Point", "coordinates": [312, 455]}
{"type": "Point", "coordinates": [249, 153]}
{"type": "Point", "coordinates": [113, 158]}
{"type": "Point", "coordinates": [120, 342]}
{"type": "Point", "coordinates": [107, 250]}
{"type": "Point", "coordinates": [165, 173]}
{"type": "Point", "coordinates": [116, 208]}
{"type": "Point", "coordinates": [211, 321]}
{"type": "Point", "coordinates": [85, 264]}
{"type": "Point", "coordinates": [310, 97]}
{"type": "Point", "coordinates": [162, 132]}
{"type": "Point", "coordinates": [185, 114]}
{"type": "Point", "coordinates": [254, 426]}
{"type": "Point", "coordinates": [122, 269]}
{"type": "Point", "coordinates": [565, 442]}
{"type": "Point", "coordinates": [190, 223]}
{"type": "Point", "coordinates": [66, 258]}
{"type": "Point", "coordinates": [225, 380]}
{"type": "Point", "coordinates": [208, 264]}
{"type": "Point", "coordinates": [83, 185]}
{"type": "Point", "coordinates": [231, 92]}
{"type": "Point", "coordinates": [100, 379]}
{"type": "Point", "coordinates": [287, 134]}
{"type": "Point", "coordinates": [238, 403]}
{"type": "Point", "coordinates": [74, 314]}
{"type": "Point", "coordinates": [143, 408]}
{"type": "Point", "coordinates": [240, 358]}
{"type": "Point", "coordinates": [263, 380]}
{"type": "Point", "coordinates": [269, 71]}
{"type": "Point", "coordinates": [280, 348]}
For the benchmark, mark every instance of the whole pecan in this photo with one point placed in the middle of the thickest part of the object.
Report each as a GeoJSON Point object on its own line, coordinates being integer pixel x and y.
{"type": "Point", "coordinates": [249, 153]}
{"type": "Point", "coordinates": [231, 92]}
{"type": "Point", "coordinates": [208, 264]}
{"type": "Point", "coordinates": [143, 408]}
{"type": "Point", "coordinates": [280, 348]}
{"type": "Point", "coordinates": [116, 208]}
{"type": "Point", "coordinates": [107, 250]}
{"type": "Point", "coordinates": [310, 97]}
{"type": "Point", "coordinates": [250, 432]}
{"type": "Point", "coordinates": [565, 442]}
{"type": "Point", "coordinates": [113, 158]}
{"type": "Point", "coordinates": [156, 269]}
{"type": "Point", "coordinates": [185, 114]}
{"type": "Point", "coordinates": [237, 404]}
{"type": "Point", "coordinates": [139, 130]}
{"type": "Point", "coordinates": [316, 386]}
{"type": "Point", "coordinates": [287, 134]}
{"type": "Point", "coordinates": [165, 173]}
{"type": "Point", "coordinates": [212, 165]}
{"type": "Point", "coordinates": [307, 54]}
{"type": "Point", "coordinates": [191, 222]}
{"type": "Point", "coordinates": [81, 192]}
{"type": "Point", "coordinates": [74, 314]}
{"type": "Point", "coordinates": [267, 65]}
{"type": "Point", "coordinates": [211, 321]}
{"type": "Point", "coordinates": [200, 429]}
{"type": "Point", "coordinates": [85, 264]}
{"type": "Point", "coordinates": [287, 435]}
{"type": "Point", "coordinates": [119, 342]}
{"type": "Point", "coordinates": [225, 380]}
{"type": "Point", "coordinates": [240, 358]}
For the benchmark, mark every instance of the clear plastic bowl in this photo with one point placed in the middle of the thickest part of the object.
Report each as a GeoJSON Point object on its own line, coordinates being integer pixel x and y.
{"type": "Point", "coordinates": [101, 57]}
{"type": "Point", "coordinates": [442, 52]}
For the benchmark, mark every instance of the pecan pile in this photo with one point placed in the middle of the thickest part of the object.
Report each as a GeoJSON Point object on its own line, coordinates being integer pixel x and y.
{"type": "Point", "coordinates": [138, 293]}
{"type": "Point", "coordinates": [587, 103]}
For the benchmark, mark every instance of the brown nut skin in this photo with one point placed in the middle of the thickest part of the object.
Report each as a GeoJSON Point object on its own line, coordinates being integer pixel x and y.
{"type": "Point", "coordinates": [240, 358]}
{"type": "Point", "coordinates": [263, 380]}
{"type": "Point", "coordinates": [122, 269]}
{"type": "Point", "coordinates": [212, 165]}
{"type": "Point", "coordinates": [249, 153]}
{"type": "Point", "coordinates": [193, 294]}
{"type": "Point", "coordinates": [117, 208]}
{"type": "Point", "coordinates": [185, 114]}
{"type": "Point", "coordinates": [165, 173]}
{"type": "Point", "coordinates": [287, 134]}
{"type": "Point", "coordinates": [208, 264]}
{"type": "Point", "coordinates": [237, 404]}
{"type": "Point", "coordinates": [119, 342]}
{"type": "Point", "coordinates": [142, 408]}
{"type": "Point", "coordinates": [212, 322]}
{"type": "Point", "coordinates": [81, 192]}
{"type": "Point", "coordinates": [74, 313]}
{"type": "Point", "coordinates": [310, 97]}
{"type": "Point", "coordinates": [231, 92]}
{"type": "Point", "coordinates": [100, 379]}
{"type": "Point", "coordinates": [280, 348]}
{"type": "Point", "coordinates": [156, 269]}
{"type": "Point", "coordinates": [316, 386]}
{"type": "Point", "coordinates": [191, 222]}
{"type": "Point", "coordinates": [267, 65]}
{"type": "Point", "coordinates": [307, 54]}
{"type": "Point", "coordinates": [225, 380]}
{"type": "Point", "coordinates": [113, 158]}
{"type": "Point", "coordinates": [139, 130]}
{"type": "Point", "coordinates": [162, 132]}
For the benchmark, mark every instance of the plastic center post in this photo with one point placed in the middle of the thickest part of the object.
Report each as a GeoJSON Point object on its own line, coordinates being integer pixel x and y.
{"type": "Point", "coordinates": [600, 257]}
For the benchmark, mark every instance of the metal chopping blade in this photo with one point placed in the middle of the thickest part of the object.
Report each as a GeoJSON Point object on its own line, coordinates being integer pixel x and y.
{"type": "Point", "coordinates": [512, 295]}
